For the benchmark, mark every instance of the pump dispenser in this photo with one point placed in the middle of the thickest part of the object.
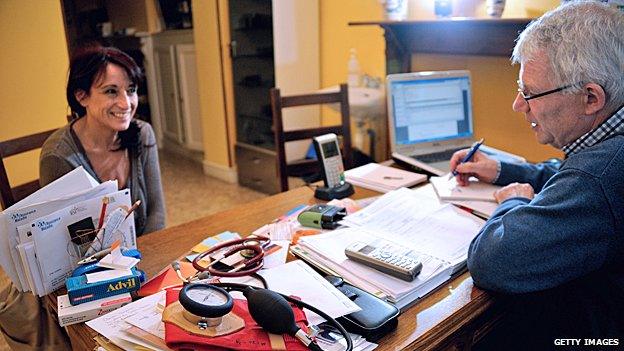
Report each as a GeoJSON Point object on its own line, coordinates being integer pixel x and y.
{"type": "Point", "coordinates": [353, 69]}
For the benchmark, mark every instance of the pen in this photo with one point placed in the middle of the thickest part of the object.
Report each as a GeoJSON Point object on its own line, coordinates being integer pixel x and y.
{"type": "Point", "coordinates": [469, 155]}
{"type": "Point", "coordinates": [134, 207]}
{"type": "Point", "coordinates": [103, 211]}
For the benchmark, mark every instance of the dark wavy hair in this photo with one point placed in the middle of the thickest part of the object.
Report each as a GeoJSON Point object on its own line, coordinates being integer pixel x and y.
{"type": "Point", "coordinates": [88, 63]}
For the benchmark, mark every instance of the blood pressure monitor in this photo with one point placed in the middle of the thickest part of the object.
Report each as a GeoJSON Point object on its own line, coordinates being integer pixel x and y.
{"type": "Point", "coordinates": [205, 304]}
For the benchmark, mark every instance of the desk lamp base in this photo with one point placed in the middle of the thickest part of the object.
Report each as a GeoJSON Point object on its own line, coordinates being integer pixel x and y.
{"type": "Point", "coordinates": [337, 192]}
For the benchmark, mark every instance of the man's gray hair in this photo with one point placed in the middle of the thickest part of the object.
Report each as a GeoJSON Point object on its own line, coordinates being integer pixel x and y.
{"type": "Point", "coordinates": [584, 42]}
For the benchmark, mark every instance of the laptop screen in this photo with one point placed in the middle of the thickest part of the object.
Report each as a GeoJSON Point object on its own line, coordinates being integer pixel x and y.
{"type": "Point", "coordinates": [429, 108]}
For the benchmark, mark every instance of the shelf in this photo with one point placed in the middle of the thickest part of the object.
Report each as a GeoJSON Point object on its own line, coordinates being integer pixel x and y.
{"type": "Point", "coordinates": [455, 36]}
{"type": "Point", "coordinates": [254, 21]}
{"type": "Point", "coordinates": [252, 29]}
{"type": "Point", "coordinates": [255, 81]}
{"type": "Point", "coordinates": [260, 117]}
{"type": "Point", "coordinates": [493, 37]}
{"type": "Point", "coordinates": [260, 56]}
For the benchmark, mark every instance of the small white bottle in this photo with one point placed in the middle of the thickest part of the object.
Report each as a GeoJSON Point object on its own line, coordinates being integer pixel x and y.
{"type": "Point", "coordinates": [353, 70]}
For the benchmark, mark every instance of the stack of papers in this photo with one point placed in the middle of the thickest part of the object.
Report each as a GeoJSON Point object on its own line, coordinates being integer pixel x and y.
{"type": "Point", "coordinates": [436, 234]}
{"type": "Point", "coordinates": [476, 196]}
{"type": "Point", "coordinates": [43, 236]}
{"type": "Point", "coordinates": [382, 178]}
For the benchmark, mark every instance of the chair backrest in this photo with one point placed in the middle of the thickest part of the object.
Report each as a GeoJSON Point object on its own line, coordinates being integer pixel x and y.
{"type": "Point", "coordinates": [10, 195]}
{"type": "Point", "coordinates": [279, 102]}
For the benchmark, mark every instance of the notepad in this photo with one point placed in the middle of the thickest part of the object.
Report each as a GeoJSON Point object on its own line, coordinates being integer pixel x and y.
{"type": "Point", "coordinates": [382, 178]}
{"type": "Point", "coordinates": [449, 190]}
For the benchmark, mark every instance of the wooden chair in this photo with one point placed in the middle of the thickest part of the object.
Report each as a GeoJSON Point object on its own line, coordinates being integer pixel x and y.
{"type": "Point", "coordinates": [301, 167]}
{"type": "Point", "coordinates": [10, 195]}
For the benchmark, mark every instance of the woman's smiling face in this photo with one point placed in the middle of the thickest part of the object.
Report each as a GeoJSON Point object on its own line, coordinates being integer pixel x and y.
{"type": "Point", "coordinates": [112, 99]}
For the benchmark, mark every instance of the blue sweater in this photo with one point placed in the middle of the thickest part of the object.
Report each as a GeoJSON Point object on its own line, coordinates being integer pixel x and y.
{"type": "Point", "coordinates": [567, 243]}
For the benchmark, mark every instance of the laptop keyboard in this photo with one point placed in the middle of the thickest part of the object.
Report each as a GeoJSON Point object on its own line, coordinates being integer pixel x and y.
{"type": "Point", "coordinates": [437, 156]}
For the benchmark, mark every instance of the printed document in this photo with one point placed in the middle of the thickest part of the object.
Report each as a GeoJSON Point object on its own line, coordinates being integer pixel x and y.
{"type": "Point", "coordinates": [113, 324]}
{"type": "Point", "coordinates": [298, 279]}
{"type": "Point", "coordinates": [18, 220]}
{"type": "Point", "coordinates": [74, 181]}
{"type": "Point", "coordinates": [56, 249]}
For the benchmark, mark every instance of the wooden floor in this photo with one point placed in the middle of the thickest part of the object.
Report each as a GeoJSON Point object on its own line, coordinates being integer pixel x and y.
{"type": "Point", "coordinates": [189, 194]}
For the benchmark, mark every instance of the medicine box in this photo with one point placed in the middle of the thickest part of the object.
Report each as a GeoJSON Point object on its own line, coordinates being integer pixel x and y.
{"type": "Point", "coordinates": [68, 314]}
{"type": "Point", "coordinates": [80, 291]}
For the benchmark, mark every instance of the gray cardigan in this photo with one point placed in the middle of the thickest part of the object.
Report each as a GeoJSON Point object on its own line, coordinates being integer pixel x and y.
{"type": "Point", "coordinates": [63, 152]}
{"type": "Point", "coordinates": [564, 248]}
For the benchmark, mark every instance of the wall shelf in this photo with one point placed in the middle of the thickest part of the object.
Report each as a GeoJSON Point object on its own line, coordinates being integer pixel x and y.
{"type": "Point", "coordinates": [456, 36]}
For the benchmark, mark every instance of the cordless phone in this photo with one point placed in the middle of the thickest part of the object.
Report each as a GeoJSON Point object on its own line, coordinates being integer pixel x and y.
{"type": "Point", "coordinates": [384, 259]}
{"type": "Point", "coordinates": [330, 159]}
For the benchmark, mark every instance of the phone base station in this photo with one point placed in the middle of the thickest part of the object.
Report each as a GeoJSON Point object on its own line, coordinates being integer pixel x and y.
{"type": "Point", "coordinates": [338, 192]}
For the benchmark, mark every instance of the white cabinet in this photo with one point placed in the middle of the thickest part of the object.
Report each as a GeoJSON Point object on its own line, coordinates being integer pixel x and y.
{"type": "Point", "coordinates": [172, 77]}
{"type": "Point", "coordinates": [188, 96]}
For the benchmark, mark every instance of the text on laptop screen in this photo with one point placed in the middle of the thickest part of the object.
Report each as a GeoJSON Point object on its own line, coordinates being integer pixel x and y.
{"type": "Point", "coordinates": [431, 109]}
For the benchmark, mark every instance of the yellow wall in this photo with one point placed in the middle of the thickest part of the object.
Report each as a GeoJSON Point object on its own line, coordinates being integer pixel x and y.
{"type": "Point", "coordinates": [210, 78]}
{"type": "Point", "coordinates": [33, 67]}
{"type": "Point", "coordinates": [493, 77]}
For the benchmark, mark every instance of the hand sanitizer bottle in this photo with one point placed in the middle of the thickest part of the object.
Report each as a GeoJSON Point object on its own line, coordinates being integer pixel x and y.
{"type": "Point", "coordinates": [353, 69]}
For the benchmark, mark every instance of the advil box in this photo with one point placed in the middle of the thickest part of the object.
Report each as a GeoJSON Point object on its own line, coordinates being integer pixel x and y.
{"type": "Point", "coordinates": [80, 291]}
{"type": "Point", "coordinates": [87, 311]}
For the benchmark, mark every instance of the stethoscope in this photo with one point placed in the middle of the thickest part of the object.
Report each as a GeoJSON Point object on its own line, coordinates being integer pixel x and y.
{"type": "Point", "coordinates": [251, 249]}
{"type": "Point", "coordinates": [206, 303]}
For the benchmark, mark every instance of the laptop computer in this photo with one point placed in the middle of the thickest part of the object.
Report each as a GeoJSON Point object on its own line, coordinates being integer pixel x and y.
{"type": "Point", "coordinates": [430, 117]}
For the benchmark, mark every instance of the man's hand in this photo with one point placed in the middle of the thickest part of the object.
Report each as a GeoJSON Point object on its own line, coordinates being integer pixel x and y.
{"type": "Point", "coordinates": [480, 166]}
{"type": "Point", "coordinates": [514, 190]}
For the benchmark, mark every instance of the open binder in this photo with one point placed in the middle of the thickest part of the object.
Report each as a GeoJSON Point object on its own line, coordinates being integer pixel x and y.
{"type": "Point", "coordinates": [438, 234]}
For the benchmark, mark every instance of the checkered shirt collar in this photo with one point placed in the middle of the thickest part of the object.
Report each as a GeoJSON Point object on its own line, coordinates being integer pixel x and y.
{"type": "Point", "coordinates": [613, 125]}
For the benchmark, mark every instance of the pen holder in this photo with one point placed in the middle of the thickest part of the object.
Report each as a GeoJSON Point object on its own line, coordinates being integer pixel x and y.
{"type": "Point", "coordinates": [337, 192]}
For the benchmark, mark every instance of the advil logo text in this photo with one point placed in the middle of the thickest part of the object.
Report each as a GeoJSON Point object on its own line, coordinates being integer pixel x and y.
{"type": "Point", "coordinates": [130, 283]}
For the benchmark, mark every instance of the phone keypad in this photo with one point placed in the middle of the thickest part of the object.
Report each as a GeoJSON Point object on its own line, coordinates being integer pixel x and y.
{"type": "Point", "coordinates": [395, 260]}
{"type": "Point", "coordinates": [334, 171]}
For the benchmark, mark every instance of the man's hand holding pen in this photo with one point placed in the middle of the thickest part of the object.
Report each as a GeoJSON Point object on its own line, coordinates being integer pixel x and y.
{"type": "Point", "coordinates": [479, 166]}
{"type": "Point", "coordinates": [485, 169]}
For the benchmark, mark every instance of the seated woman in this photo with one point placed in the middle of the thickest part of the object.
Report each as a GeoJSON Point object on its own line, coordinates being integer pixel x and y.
{"type": "Point", "coordinates": [109, 144]}
{"type": "Point", "coordinates": [105, 139]}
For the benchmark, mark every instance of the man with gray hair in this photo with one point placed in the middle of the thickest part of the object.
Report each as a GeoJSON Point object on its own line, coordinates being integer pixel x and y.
{"type": "Point", "coordinates": [554, 248]}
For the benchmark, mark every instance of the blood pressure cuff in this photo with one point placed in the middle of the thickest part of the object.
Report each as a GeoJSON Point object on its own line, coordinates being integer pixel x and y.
{"type": "Point", "coordinates": [251, 337]}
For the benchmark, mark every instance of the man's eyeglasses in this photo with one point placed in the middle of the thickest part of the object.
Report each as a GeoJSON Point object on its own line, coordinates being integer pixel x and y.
{"type": "Point", "coordinates": [548, 92]}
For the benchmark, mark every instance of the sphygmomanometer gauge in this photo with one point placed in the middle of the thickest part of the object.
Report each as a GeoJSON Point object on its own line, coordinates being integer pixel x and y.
{"type": "Point", "coordinates": [205, 304]}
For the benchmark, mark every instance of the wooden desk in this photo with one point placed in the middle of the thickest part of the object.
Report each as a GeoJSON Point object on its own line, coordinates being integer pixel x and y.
{"type": "Point", "coordinates": [452, 317]}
